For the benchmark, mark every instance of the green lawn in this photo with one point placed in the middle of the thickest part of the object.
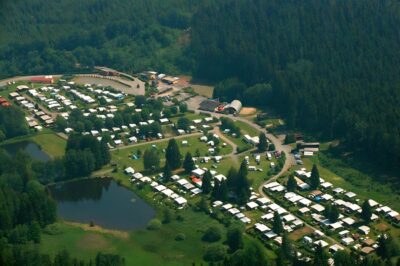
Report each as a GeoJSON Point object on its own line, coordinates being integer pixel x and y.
{"type": "Point", "coordinates": [247, 129]}
{"type": "Point", "coordinates": [142, 247]}
{"type": "Point", "coordinates": [123, 156]}
{"type": "Point", "coordinates": [365, 188]}
{"type": "Point", "coordinates": [51, 144]}
{"type": "Point", "coordinates": [189, 116]}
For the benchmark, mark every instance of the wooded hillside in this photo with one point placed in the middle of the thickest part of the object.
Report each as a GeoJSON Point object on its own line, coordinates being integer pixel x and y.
{"type": "Point", "coordinates": [333, 65]}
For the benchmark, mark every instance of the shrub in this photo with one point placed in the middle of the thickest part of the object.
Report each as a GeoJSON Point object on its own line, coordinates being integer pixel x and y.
{"type": "Point", "coordinates": [212, 234]}
{"type": "Point", "coordinates": [154, 225]}
{"type": "Point", "coordinates": [180, 237]}
{"type": "Point", "coordinates": [53, 229]}
{"type": "Point", "coordinates": [215, 253]}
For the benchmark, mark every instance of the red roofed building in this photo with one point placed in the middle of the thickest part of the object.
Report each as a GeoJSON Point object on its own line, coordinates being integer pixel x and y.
{"type": "Point", "coordinates": [43, 79]}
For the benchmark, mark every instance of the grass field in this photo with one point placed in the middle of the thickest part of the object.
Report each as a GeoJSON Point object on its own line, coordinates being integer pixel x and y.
{"type": "Point", "coordinates": [50, 143]}
{"type": "Point", "coordinates": [247, 129]}
{"type": "Point", "coordinates": [206, 91]}
{"type": "Point", "coordinates": [366, 188]}
{"type": "Point", "coordinates": [123, 156]}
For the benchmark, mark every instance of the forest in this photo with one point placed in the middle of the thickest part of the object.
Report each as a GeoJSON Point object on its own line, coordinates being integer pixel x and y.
{"type": "Point", "coordinates": [326, 66]}
{"type": "Point", "coordinates": [329, 67]}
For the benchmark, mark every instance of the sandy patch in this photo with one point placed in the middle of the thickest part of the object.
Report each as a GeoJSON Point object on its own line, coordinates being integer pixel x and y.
{"type": "Point", "coordinates": [248, 111]}
{"type": "Point", "coordinates": [203, 90]}
{"type": "Point", "coordinates": [299, 233]}
{"type": "Point", "coordinates": [99, 229]}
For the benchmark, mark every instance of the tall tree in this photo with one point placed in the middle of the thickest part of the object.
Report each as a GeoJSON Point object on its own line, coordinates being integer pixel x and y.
{"type": "Point", "coordinates": [262, 145]}
{"type": "Point", "coordinates": [277, 225]}
{"type": "Point", "coordinates": [366, 212]}
{"type": "Point", "coordinates": [206, 183]}
{"type": "Point", "coordinates": [291, 184]}
{"type": "Point", "coordinates": [320, 257]}
{"type": "Point", "coordinates": [188, 163]}
{"type": "Point", "coordinates": [314, 179]}
{"type": "Point", "coordinates": [173, 155]}
{"type": "Point", "coordinates": [234, 239]}
{"type": "Point", "coordinates": [243, 187]}
{"type": "Point", "coordinates": [151, 160]}
{"type": "Point", "coordinates": [167, 173]}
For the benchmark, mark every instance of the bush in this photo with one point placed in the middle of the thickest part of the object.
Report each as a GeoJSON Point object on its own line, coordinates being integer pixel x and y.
{"type": "Point", "coordinates": [212, 234]}
{"type": "Point", "coordinates": [53, 229]}
{"type": "Point", "coordinates": [215, 253]}
{"type": "Point", "coordinates": [180, 237]}
{"type": "Point", "coordinates": [154, 225]}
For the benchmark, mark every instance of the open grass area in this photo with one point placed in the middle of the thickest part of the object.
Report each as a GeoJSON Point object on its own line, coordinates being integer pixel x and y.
{"type": "Point", "coordinates": [124, 156]}
{"type": "Point", "coordinates": [366, 188]}
{"type": "Point", "coordinates": [50, 143]}
{"type": "Point", "coordinates": [47, 140]}
{"type": "Point", "coordinates": [203, 90]}
{"type": "Point", "coordinates": [142, 247]}
{"type": "Point", "coordinates": [247, 129]}
{"type": "Point", "coordinates": [189, 116]}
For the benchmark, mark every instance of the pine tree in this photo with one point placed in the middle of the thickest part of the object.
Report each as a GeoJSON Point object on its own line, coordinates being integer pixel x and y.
{"type": "Point", "coordinates": [188, 163]}
{"type": "Point", "coordinates": [287, 247]}
{"type": "Point", "coordinates": [320, 257]}
{"type": "Point", "coordinates": [314, 179]}
{"type": "Point", "coordinates": [242, 186]}
{"type": "Point", "coordinates": [173, 155]}
{"type": "Point", "coordinates": [334, 214]}
{"type": "Point", "coordinates": [262, 145]}
{"type": "Point", "coordinates": [366, 212]}
{"type": "Point", "coordinates": [215, 194]}
{"type": "Point", "coordinates": [167, 173]}
{"type": "Point", "coordinates": [291, 184]}
{"type": "Point", "coordinates": [206, 183]}
{"type": "Point", "coordinates": [223, 191]}
{"type": "Point", "coordinates": [234, 239]}
{"type": "Point", "coordinates": [232, 178]}
{"type": "Point", "coordinates": [277, 225]}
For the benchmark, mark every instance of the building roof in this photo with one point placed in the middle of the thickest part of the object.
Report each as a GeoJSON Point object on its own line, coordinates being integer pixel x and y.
{"type": "Point", "coordinates": [209, 105]}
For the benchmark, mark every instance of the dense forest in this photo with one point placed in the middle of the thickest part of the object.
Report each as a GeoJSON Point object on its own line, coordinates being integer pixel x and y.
{"type": "Point", "coordinates": [72, 35]}
{"type": "Point", "coordinates": [326, 66]}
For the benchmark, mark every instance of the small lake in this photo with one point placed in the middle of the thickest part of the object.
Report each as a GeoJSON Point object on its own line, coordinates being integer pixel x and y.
{"type": "Point", "coordinates": [30, 147]}
{"type": "Point", "coordinates": [102, 201]}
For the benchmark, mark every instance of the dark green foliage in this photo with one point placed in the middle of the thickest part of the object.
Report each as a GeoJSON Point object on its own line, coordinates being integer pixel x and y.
{"type": "Point", "coordinates": [220, 190]}
{"type": "Point", "coordinates": [215, 253]}
{"type": "Point", "coordinates": [151, 160]}
{"type": "Point", "coordinates": [12, 122]}
{"type": "Point", "coordinates": [173, 155]}
{"type": "Point", "coordinates": [234, 239]}
{"type": "Point", "coordinates": [252, 254]}
{"type": "Point", "coordinates": [323, 76]}
{"type": "Point", "coordinates": [344, 258]}
{"type": "Point", "coordinates": [183, 123]}
{"type": "Point", "coordinates": [291, 184]}
{"type": "Point", "coordinates": [206, 183]}
{"type": "Point", "coordinates": [167, 216]}
{"type": "Point", "coordinates": [167, 173]}
{"type": "Point", "coordinates": [262, 145]}
{"type": "Point", "coordinates": [366, 212]}
{"type": "Point", "coordinates": [242, 186]}
{"type": "Point", "coordinates": [227, 123]}
{"type": "Point", "coordinates": [331, 212]}
{"type": "Point", "coordinates": [277, 225]}
{"type": "Point", "coordinates": [212, 234]}
{"type": "Point", "coordinates": [290, 138]}
{"type": "Point", "coordinates": [320, 257]}
{"type": "Point", "coordinates": [388, 247]}
{"type": "Point", "coordinates": [109, 259]}
{"type": "Point", "coordinates": [287, 248]}
{"type": "Point", "coordinates": [314, 179]}
{"type": "Point", "coordinates": [188, 163]}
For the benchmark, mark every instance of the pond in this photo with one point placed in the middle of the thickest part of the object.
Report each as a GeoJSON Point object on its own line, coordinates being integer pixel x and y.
{"type": "Point", "coordinates": [102, 201]}
{"type": "Point", "coordinates": [29, 147]}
